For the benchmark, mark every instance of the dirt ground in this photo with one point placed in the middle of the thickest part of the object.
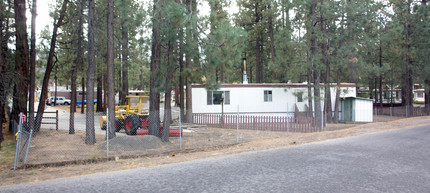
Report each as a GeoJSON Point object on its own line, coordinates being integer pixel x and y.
{"type": "Point", "coordinates": [128, 152]}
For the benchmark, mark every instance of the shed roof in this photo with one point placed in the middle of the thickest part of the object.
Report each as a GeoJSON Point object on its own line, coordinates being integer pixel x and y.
{"type": "Point", "coordinates": [356, 98]}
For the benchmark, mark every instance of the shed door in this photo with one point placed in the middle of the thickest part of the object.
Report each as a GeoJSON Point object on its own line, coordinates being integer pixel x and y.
{"type": "Point", "coordinates": [348, 110]}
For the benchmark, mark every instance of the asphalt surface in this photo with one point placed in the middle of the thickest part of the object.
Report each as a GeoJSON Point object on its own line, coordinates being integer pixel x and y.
{"type": "Point", "coordinates": [396, 161]}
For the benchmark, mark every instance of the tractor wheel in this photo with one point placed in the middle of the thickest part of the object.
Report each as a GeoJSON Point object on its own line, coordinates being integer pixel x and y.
{"type": "Point", "coordinates": [131, 124]}
{"type": "Point", "coordinates": [118, 125]}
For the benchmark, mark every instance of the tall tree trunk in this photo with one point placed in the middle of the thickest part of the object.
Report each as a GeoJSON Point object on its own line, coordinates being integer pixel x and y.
{"type": "Point", "coordinates": [154, 93]}
{"type": "Point", "coordinates": [2, 97]}
{"type": "Point", "coordinates": [124, 32]}
{"type": "Point", "coordinates": [258, 65]}
{"type": "Point", "coordinates": [326, 62]}
{"type": "Point", "coordinates": [78, 62]}
{"type": "Point", "coordinates": [32, 65]}
{"type": "Point", "coordinates": [83, 95]}
{"type": "Point", "coordinates": [309, 85]}
{"type": "Point", "coordinates": [272, 39]}
{"type": "Point", "coordinates": [21, 61]}
{"type": "Point", "coordinates": [316, 74]}
{"type": "Point", "coordinates": [55, 82]}
{"type": "Point", "coordinates": [381, 101]}
{"type": "Point", "coordinates": [99, 107]}
{"type": "Point", "coordinates": [427, 93]}
{"type": "Point", "coordinates": [121, 96]}
{"type": "Point", "coordinates": [110, 70]}
{"type": "Point", "coordinates": [408, 70]}
{"type": "Point", "coordinates": [376, 90]}
{"type": "Point", "coordinates": [188, 63]}
{"type": "Point", "coordinates": [73, 100]}
{"type": "Point", "coordinates": [337, 101]}
{"type": "Point", "coordinates": [181, 77]}
{"type": "Point", "coordinates": [105, 92]}
{"type": "Point", "coordinates": [49, 66]}
{"type": "Point", "coordinates": [167, 114]}
{"type": "Point", "coordinates": [168, 95]}
{"type": "Point", "coordinates": [89, 127]}
{"type": "Point", "coordinates": [258, 46]}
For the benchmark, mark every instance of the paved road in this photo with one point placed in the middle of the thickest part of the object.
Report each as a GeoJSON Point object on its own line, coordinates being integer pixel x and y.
{"type": "Point", "coordinates": [397, 161]}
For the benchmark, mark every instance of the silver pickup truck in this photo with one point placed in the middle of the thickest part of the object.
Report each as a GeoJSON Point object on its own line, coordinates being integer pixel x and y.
{"type": "Point", "coordinates": [59, 101]}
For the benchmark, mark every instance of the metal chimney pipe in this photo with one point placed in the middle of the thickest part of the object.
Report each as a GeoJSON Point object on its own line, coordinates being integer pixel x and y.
{"type": "Point", "coordinates": [245, 78]}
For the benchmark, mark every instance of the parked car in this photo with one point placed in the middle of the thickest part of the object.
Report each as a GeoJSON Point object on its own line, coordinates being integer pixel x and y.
{"type": "Point", "coordinates": [59, 101]}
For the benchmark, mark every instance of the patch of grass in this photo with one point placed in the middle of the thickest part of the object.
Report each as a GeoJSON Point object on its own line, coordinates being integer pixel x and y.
{"type": "Point", "coordinates": [7, 151]}
{"type": "Point", "coordinates": [94, 157]}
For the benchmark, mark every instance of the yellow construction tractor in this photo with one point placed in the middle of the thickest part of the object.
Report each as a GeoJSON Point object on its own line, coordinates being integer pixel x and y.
{"type": "Point", "coordinates": [132, 119]}
{"type": "Point", "coordinates": [130, 116]}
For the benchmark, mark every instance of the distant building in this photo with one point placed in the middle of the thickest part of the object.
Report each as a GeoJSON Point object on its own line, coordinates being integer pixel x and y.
{"type": "Point", "coordinates": [393, 94]}
{"type": "Point", "coordinates": [66, 93]}
{"type": "Point", "coordinates": [419, 95]}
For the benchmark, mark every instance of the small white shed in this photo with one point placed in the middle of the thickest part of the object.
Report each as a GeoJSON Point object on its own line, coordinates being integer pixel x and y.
{"type": "Point", "coordinates": [357, 109]}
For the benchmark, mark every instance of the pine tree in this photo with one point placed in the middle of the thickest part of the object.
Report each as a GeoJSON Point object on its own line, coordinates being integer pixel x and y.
{"type": "Point", "coordinates": [2, 101]}
{"type": "Point", "coordinates": [78, 63]}
{"type": "Point", "coordinates": [154, 94]}
{"type": "Point", "coordinates": [32, 64]}
{"type": "Point", "coordinates": [21, 61]}
{"type": "Point", "coordinates": [89, 127]}
{"type": "Point", "coordinates": [49, 66]}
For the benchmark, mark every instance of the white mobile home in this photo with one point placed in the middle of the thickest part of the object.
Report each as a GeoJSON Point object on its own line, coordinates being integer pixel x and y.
{"type": "Point", "coordinates": [259, 98]}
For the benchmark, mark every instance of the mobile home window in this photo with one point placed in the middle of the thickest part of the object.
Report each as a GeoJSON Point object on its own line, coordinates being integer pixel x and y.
{"type": "Point", "coordinates": [267, 96]}
{"type": "Point", "coordinates": [398, 95]}
{"type": "Point", "coordinates": [215, 97]}
{"type": "Point", "coordinates": [300, 97]}
{"type": "Point", "coordinates": [420, 95]}
{"type": "Point", "coordinates": [386, 95]}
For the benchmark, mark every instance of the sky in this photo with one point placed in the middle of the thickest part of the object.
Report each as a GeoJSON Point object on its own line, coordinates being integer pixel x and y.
{"type": "Point", "coordinates": [43, 18]}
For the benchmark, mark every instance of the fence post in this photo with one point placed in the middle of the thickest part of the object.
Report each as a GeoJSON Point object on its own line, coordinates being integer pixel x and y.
{"type": "Point", "coordinates": [237, 129]}
{"type": "Point", "coordinates": [107, 133]}
{"type": "Point", "coordinates": [18, 141]}
{"type": "Point", "coordinates": [391, 113]}
{"type": "Point", "coordinates": [180, 131]}
{"type": "Point", "coordinates": [253, 123]}
{"type": "Point", "coordinates": [56, 119]}
{"type": "Point", "coordinates": [28, 145]}
{"type": "Point", "coordinates": [376, 113]}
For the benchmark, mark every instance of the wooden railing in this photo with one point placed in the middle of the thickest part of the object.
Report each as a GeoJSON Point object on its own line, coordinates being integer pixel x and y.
{"type": "Point", "coordinates": [256, 122]}
{"type": "Point", "coordinates": [49, 120]}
